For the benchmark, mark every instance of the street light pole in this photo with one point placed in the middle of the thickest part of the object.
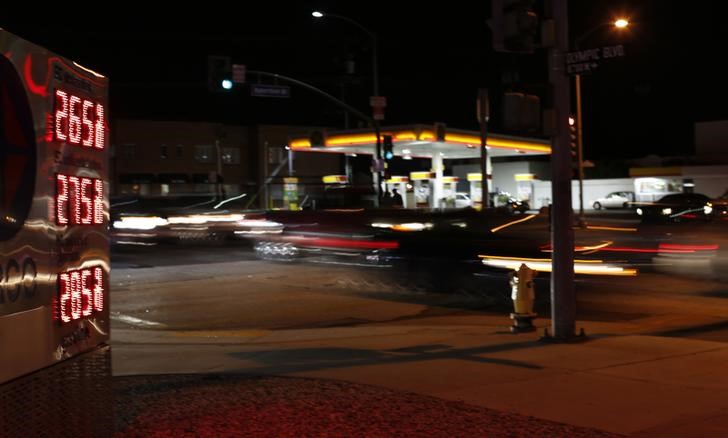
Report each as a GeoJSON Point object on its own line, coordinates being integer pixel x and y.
{"type": "Point", "coordinates": [620, 23]}
{"type": "Point", "coordinates": [579, 147]}
{"type": "Point", "coordinates": [375, 89]}
{"type": "Point", "coordinates": [372, 35]}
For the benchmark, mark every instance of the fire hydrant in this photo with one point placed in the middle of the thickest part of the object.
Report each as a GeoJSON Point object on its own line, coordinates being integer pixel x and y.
{"type": "Point", "coordinates": [523, 295]}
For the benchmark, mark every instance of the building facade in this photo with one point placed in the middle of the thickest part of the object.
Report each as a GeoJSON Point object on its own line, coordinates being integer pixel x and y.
{"type": "Point", "coordinates": [159, 158]}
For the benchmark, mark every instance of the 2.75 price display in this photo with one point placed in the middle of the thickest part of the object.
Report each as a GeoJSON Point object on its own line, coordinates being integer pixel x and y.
{"type": "Point", "coordinates": [79, 200]}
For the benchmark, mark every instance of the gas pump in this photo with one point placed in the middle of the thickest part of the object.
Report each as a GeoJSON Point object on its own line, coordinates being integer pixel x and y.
{"type": "Point", "coordinates": [423, 183]}
{"type": "Point", "coordinates": [400, 183]}
{"type": "Point", "coordinates": [290, 193]}
{"type": "Point", "coordinates": [449, 190]}
{"type": "Point", "coordinates": [476, 191]}
{"type": "Point", "coordinates": [55, 372]}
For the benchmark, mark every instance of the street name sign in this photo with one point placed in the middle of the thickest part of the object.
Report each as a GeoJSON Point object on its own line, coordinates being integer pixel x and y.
{"type": "Point", "coordinates": [586, 61]}
{"type": "Point", "coordinates": [262, 90]}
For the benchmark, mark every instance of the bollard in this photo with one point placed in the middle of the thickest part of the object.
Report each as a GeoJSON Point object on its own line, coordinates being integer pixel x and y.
{"type": "Point", "coordinates": [523, 295]}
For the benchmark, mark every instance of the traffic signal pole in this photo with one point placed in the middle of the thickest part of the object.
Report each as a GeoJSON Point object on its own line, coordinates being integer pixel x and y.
{"type": "Point", "coordinates": [342, 104]}
{"type": "Point", "coordinates": [563, 296]}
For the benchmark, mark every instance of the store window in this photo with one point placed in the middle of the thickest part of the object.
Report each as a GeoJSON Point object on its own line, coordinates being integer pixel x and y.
{"type": "Point", "coordinates": [129, 150]}
{"type": "Point", "coordinates": [231, 155]}
{"type": "Point", "coordinates": [204, 153]}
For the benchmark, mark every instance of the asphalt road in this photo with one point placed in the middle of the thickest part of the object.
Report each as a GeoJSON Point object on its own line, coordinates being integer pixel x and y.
{"type": "Point", "coordinates": [223, 287]}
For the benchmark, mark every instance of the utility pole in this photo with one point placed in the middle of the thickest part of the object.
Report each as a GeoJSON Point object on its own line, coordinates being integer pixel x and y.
{"type": "Point", "coordinates": [483, 117]}
{"type": "Point", "coordinates": [563, 296]}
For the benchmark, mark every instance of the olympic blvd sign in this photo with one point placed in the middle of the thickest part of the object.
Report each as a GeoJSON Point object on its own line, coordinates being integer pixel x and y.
{"type": "Point", "coordinates": [585, 61]}
{"type": "Point", "coordinates": [54, 210]}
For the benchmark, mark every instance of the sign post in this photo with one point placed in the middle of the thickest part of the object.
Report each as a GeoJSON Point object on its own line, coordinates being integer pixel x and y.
{"type": "Point", "coordinates": [239, 73]}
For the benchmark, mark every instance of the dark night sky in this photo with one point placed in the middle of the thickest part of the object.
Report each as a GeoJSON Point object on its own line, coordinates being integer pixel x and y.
{"type": "Point", "coordinates": [432, 60]}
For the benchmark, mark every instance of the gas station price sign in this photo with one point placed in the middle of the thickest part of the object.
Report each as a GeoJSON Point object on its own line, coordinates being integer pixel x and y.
{"type": "Point", "coordinates": [54, 209]}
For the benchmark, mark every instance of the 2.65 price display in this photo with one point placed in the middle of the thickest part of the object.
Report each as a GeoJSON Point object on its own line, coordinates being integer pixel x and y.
{"type": "Point", "coordinates": [78, 121]}
{"type": "Point", "coordinates": [80, 294]}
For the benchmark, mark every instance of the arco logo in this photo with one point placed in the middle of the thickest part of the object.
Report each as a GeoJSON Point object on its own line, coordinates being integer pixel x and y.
{"type": "Point", "coordinates": [17, 152]}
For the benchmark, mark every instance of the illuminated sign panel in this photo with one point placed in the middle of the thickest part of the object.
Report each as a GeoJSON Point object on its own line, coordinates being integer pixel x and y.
{"type": "Point", "coordinates": [54, 245]}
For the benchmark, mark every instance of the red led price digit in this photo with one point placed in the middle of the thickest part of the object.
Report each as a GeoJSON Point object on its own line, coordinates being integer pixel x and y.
{"type": "Point", "coordinates": [87, 130]}
{"type": "Point", "coordinates": [79, 200]}
{"type": "Point", "coordinates": [61, 116]}
{"type": "Point", "coordinates": [75, 204]}
{"type": "Point", "coordinates": [98, 206]}
{"type": "Point", "coordinates": [86, 210]}
{"type": "Point", "coordinates": [75, 295]}
{"type": "Point", "coordinates": [86, 292]}
{"type": "Point", "coordinates": [74, 120]}
{"type": "Point", "coordinates": [100, 136]}
{"type": "Point", "coordinates": [62, 197]}
{"type": "Point", "coordinates": [98, 289]}
{"type": "Point", "coordinates": [64, 297]}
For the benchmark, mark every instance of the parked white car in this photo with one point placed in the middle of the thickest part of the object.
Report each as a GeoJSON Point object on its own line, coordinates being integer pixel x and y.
{"type": "Point", "coordinates": [614, 200]}
{"type": "Point", "coordinates": [462, 200]}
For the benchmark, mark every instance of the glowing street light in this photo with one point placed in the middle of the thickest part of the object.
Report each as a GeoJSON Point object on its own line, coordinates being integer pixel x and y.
{"type": "Point", "coordinates": [619, 23]}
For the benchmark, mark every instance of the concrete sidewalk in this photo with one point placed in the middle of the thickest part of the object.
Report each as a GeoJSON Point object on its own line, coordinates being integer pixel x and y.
{"type": "Point", "coordinates": [616, 381]}
{"type": "Point", "coordinates": [302, 321]}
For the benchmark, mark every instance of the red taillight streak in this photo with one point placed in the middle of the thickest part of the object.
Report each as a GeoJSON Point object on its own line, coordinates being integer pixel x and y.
{"type": "Point", "coordinates": [646, 250]}
{"type": "Point", "coordinates": [688, 247]}
{"type": "Point", "coordinates": [348, 243]}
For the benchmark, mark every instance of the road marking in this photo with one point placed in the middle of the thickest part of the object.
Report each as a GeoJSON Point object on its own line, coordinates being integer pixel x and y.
{"type": "Point", "coordinates": [135, 321]}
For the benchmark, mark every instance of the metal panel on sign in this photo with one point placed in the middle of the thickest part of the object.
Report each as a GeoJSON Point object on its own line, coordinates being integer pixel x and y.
{"type": "Point", "coordinates": [54, 255]}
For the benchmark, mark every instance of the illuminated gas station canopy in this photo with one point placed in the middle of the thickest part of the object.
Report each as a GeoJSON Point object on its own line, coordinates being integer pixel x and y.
{"type": "Point", "coordinates": [422, 141]}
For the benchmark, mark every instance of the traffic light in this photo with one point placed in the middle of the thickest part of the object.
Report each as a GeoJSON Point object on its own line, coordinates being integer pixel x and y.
{"type": "Point", "coordinates": [219, 73]}
{"type": "Point", "coordinates": [573, 144]}
{"type": "Point", "coordinates": [521, 112]}
{"type": "Point", "coordinates": [387, 147]}
{"type": "Point", "coordinates": [514, 25]}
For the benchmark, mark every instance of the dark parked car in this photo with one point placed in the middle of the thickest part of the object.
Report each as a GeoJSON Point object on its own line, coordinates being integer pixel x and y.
{"type": "Point", "coordinates": [719, 207]}
{"type": "Point", "coordinates": [677, 207]}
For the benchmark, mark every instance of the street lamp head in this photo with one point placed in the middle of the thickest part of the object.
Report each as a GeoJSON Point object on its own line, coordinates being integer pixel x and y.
{"type": "Point", "coordinates": [317, 14]}
{"type": "Point", "coordinates": [621, 23]}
